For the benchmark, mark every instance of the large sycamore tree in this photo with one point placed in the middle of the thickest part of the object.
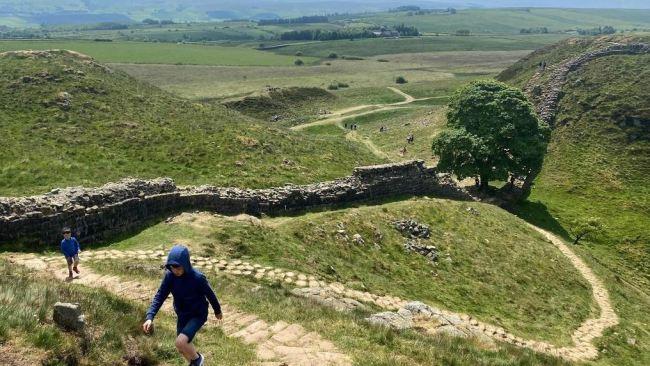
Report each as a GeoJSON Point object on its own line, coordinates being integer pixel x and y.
{"type": "Point", "coordinates": [492, 133]}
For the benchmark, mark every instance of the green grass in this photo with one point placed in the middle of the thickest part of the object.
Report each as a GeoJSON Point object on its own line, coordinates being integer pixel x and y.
{"type": "Point", "coordinates": [160, 53]}
{"type": "Point", "coordinates": [499, 270]}
{"type": "Point", "coordinates": [429, 74]}
{"type": "Point", "coordinates": [513, 20]}
{"type": "Point", "coordinates": [384, 46]}
{"type": "Point", "coordinates": [118, 127]}
{"type": "Point", "coordinates": [112, 333]}
{"type": "Point", "coordinates": [424, 123]}
{"type": "Point", "coordinates": [595, 168]}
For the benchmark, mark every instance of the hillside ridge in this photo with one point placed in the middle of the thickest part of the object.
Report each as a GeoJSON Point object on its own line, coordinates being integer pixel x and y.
{"type": "Point", "coordinates": [547, 97]}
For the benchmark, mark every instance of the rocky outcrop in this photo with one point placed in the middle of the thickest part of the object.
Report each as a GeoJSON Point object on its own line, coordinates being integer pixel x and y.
{"type": "Point", "coordinates": [116, 208]}
{"type": "Point", "coordinates": [547, 97]}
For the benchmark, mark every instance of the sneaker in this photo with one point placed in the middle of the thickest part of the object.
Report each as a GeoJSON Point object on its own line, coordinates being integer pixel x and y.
{"type": "Point", "coordinates": [199, 361]}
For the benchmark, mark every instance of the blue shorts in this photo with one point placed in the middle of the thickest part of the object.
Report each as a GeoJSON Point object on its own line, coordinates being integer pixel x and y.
{"type": "Point", "coordinates": [189, 326]}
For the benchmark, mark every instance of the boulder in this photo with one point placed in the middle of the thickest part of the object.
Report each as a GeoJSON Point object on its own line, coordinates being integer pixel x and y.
{"type": "Point", "coordinates": [395, 320]}
{"type": "Point", "coordinates": [68, 316]}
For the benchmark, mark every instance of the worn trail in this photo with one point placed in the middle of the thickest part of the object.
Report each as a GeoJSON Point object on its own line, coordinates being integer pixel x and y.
{"type": "Point", "coordinates": [338, 116]}
{"type": "Point", "coordinates": [340, 297]}
{"type": "Point", "coordinates": [279, 343]}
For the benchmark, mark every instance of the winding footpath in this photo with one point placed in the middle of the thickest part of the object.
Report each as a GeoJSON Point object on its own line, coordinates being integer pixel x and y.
{"type": "Point", "coordinates": [361, 110]}
{"type": "Point", "coordinates": [291, 343]}
{"type": "Point", "coordinates": [276, 344]}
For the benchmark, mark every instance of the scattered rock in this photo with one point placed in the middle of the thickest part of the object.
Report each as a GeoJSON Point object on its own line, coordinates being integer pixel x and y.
{"type": "Point", "coordinates": [356, 238]}
{"type": "Point", "coordinates": [412, 229]}
{"type": "Point", "coordinates": [63, 100]}
{"type": "Point", "coordinates": [329, 298]}
{"type": "Point", "coordinates": [68, 316]}
{"type": "Point", "coordinates": [429, 251]}
{"type": "Point", "coordinates": [631, 341]}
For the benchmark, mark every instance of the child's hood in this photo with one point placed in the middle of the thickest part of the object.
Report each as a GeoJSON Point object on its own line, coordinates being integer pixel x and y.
{"type": "Point", "coordinates": [180, 255]}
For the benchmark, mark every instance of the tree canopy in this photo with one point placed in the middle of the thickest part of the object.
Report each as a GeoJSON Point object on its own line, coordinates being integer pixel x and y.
{"type": "Point", "coordinates": [493, 133]}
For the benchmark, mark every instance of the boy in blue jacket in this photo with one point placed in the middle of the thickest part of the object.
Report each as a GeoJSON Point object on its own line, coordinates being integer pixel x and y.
{"type": "Point", "coordinates": [70, 249]}
{"type": "Point", "coordinates": [190, 289]}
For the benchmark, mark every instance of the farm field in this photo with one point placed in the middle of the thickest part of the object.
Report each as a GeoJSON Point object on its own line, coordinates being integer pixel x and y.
{"type": "Point", "coordinates": [432, 69]}
{"type": "Point", "coordinates": [511, 21]}
{"type": "Point", "coordinates": [160, 53]}
{"type": "Point", "coordinates": [381, 46]}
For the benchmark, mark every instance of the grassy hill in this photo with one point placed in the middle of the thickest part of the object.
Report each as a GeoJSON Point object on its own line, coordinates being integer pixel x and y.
{"type": "Point", "coordinates": [597, 166]}
{"type": "Point", "coordinates": [67, 120]}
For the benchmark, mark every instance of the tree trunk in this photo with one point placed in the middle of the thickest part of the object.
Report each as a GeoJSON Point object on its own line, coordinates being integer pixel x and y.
{"type": "Point", "coordinates": [484, 183]}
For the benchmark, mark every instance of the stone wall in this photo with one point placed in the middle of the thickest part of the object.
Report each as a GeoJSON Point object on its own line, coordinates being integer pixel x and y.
{"type": "Point", "coordinates": [116, 208]}
{"type": "Point", "coordinates": [546, 98]}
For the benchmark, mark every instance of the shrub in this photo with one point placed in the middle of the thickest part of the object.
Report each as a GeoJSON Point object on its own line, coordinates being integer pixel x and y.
{"type": "Point", "coordinates": [298, 62]}
{"type": "Point", "coordinates": [333, 55]}
{"type": "Point", "coordinates": [463, 32]}
{"type": "Point", "coordinates": [299, 53]}
{"type": "Point", "coordinates": [400, 80]}
{"type": "Point", "coordinates": [352, 58]}
{"type": "Point", "coordinates": [382, 60]}
{"type": "Point", "coordinates": [342, 85]}
{"type": "Point", "coordinates": [332, 87]}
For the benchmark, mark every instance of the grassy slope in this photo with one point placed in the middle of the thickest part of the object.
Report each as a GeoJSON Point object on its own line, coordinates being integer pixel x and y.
{"type": "Point", "coordinates": [423, 123]}
{"type": "Point", "coordinates": [593, 169]}
{"type": "Point", "coordinates": [119, 127]}
{"type": "Point", "coordinates": [160, 53]}
{"type": "Point", "coordinates": [367, 345]}
{"type": "Point", "coordinates": [513, 20]}
{"type": "Point", "coordinates": [113, 326]}
{"type": "Point", "coordinates": [534, 292]}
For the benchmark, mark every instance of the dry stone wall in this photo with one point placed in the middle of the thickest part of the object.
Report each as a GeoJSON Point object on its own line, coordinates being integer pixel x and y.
{"type": "Point", "coordinates": [547, 98]}
{"type": "Point", "coordinates": [116, 208]}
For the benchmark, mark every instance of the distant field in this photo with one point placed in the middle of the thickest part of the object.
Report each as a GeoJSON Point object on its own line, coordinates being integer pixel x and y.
{"type": "Point", "coordinates": [382, 46]}
{"type": "Point", "coordinates": [513, 20]}
{"type": "Point", "coordinates": [366, 78]}
{"type": "Point", "coordinates": [161, 53]}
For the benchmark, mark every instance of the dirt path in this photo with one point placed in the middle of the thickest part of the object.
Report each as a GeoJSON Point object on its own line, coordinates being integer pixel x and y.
{"type": "Point", "coordinates": [341, 114]}
{"type": "Point", "coordinates": [283, 342]}
{"type": "Point", "coordinates": [279, 343]}
{"type": "Point", "coordinates": [354, 136]}
{"type": "Point", "coordinates": [407, 98]}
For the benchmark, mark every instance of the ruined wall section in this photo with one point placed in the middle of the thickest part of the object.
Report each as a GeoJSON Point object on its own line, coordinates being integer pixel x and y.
{"type": "Point", "coordinates": [117, 208]}
{"type": "Point", "coordinates": [547, 97]}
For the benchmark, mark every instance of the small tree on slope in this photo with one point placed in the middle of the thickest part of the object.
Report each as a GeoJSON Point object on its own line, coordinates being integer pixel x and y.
{"type": "Point", "coordinates": [493, 133]}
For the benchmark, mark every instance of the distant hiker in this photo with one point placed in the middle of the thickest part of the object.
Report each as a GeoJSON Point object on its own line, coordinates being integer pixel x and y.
{"type": "Point", "coordinates": [382, 129]}
{"type": "Point", "coordinates": [346, 125]}
{"type": "Point", "coordinates": [70, 249]}
{"type": "Point", "coordinates": [410, 138]}
{"type": "Point", "coordinates": [477, 182]}
{"type": "Point", "coordinates": [402, 151]}
{"type": "Point", "coordinates": [190, 289]}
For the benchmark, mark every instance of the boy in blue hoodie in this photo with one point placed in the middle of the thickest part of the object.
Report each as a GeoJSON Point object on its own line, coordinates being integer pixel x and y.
{"type": "Point", "coordinates": [190, 289]}
{"type": "Point", "coordinates": [70, 249]}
